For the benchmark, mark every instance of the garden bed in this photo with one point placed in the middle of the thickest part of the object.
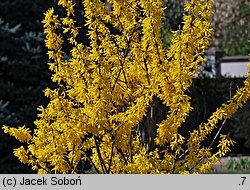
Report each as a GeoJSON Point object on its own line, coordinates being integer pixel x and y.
{"type": "Point", "coordinates": [233, 164]}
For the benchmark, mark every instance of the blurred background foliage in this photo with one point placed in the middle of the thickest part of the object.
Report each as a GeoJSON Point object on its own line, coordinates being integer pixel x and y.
{"type": "Point", "coordinates": [24, 72]}
{"type": "Point", "coordinates": [232, 26]}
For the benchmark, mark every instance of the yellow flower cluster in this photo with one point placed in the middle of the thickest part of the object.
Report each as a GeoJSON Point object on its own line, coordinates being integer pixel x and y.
{"type": "Point", "coordinates": [106, 89]}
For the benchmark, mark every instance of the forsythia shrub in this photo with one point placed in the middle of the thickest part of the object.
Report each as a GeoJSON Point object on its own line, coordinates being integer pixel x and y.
{"type": "Point", "coordinates": [106, 89]}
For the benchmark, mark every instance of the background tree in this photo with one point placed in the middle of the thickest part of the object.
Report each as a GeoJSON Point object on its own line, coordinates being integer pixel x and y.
{"type": "Point", "coordinates": [23, 71]}
{"type": "Point", "coordinates": [231, 20]}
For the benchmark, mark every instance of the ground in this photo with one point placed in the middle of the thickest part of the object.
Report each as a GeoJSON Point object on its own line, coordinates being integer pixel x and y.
{"type": "Point", "coordinates": [220, 167]}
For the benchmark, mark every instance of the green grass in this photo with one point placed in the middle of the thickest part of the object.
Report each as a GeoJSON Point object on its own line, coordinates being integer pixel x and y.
{"type": "Point", "coordinates": [241, 163]}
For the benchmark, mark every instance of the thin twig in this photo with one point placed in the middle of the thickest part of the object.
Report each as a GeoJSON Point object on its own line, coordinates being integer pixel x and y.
{"type": "Point", "coordinates": [130, 147]}
{"type": "Point", "coordinates": [217, 133]}
{"type": "Point", "coordinates": [123, 156]}
{"type": "Point", "coordinates": [122, 63]}
{"type": "Point", "coordinates": [98, 171]}
{"type": "Point", "coordinates": [104, 169]}
{"type": "Point", "coordinates": [111, 156]}
{"type": "Point", "coordinates": [146, 67]}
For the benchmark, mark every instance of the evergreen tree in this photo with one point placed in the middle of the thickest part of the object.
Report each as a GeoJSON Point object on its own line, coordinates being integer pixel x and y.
{"type": "Point", "coordinates": [23, 70]}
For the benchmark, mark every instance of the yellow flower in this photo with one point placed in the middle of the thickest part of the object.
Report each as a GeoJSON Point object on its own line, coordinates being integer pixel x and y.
{"type": "Point", "coordinates": [104, 107]}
